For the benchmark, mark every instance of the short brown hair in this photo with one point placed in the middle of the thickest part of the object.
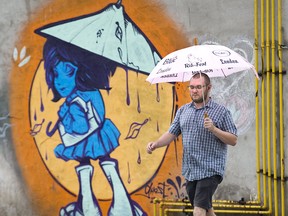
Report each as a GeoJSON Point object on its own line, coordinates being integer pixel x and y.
{"type": "Point", "coordinates": [206, 77]}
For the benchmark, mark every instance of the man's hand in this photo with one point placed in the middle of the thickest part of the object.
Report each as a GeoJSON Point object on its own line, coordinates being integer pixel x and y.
{"type": "Point", "coordinates": [225, 136]}
{"type": "Point", "coordinates": [151, 147]}
{"type": "Point", "coordinates": [208, 123]}
{"type": "Point", "coordinates": [164, 140]}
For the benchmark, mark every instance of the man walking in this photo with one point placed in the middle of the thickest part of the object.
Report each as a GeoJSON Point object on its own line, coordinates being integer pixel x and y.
{"type": "Point", "coordinates": [207, 128]}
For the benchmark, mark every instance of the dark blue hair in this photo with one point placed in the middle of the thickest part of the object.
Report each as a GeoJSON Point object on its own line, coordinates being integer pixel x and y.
{"type": "Point", "coordinates": [93, 71]}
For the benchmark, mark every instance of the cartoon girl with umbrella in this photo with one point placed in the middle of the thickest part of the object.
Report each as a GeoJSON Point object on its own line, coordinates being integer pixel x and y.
{"type": "Point", "coordinates": [77, 75]}
{"type": "Point", "coordinates": [80, 56]}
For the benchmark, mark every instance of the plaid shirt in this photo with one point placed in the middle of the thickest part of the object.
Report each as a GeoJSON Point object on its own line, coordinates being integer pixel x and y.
{"type": "Point", "coordinates": [204, 155]}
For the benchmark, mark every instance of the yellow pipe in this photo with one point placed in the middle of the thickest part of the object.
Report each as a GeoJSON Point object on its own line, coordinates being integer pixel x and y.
{"type": "Point", "coordinates": [166, 211]}
{"type": "Point", "coordinates": [262, 107]}
{"type": "Point", "coordinates": [216, 203]}
{"type": "Point", "coordinates": [268, 101]}
{"type": "Point", "coordinates": [185, 203]}
{"type": "Point", "coordinates": [281, 122]}
{"type": "Point", "coordinates": [234, 202]}
{"type": "Point", "coordinates": [274, 141]}
{"type": "Point", "coordinates": [155, 201]}
{"type": "Point", "coordinates": [255, 207]}
{"type": "Point", "coordinates": [162, 204]}
{"type": "Point", "coordinates": [257, 102]}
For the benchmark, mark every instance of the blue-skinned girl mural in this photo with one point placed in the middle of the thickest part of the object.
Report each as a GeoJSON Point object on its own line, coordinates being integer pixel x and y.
{"type": "Point", "coordinates": [75, 73]}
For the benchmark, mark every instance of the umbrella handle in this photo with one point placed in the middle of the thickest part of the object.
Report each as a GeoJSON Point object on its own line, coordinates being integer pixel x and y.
{"type": "Point", "coordinates": [53, 130]}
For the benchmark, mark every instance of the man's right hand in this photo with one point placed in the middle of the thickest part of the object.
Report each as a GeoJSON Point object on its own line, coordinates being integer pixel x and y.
{"type": "Point", "coordinates": [151, 147]}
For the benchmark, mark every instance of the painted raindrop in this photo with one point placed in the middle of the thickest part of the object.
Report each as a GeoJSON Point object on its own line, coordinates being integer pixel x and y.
{"type": "Point", "coordinates": [157, 93]}
{"type": "Point", "coordinates": [35, 115]}
{"type": "Point", "coordinates": [139, 158]}
{"type": "Point", "coordinates": [41, 101]}
{"type": "Point", "coordinates": [129, 174]}
{"type": "Point", "coordinates": [127, 89]}
{"type": "Point", "coordinates": [138, 103]}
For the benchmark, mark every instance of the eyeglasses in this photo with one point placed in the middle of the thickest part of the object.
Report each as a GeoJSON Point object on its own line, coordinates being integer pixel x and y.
{"type": "Point", "coordinates": [191, 87]}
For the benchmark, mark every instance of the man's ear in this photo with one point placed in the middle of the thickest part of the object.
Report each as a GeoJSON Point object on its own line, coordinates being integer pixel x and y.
{"type": "Point", "coordinates": [209, 86]}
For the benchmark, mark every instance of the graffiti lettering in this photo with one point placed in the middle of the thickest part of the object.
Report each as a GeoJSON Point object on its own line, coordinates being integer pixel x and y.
{"type": "Point", "coordinates": [151, 190]}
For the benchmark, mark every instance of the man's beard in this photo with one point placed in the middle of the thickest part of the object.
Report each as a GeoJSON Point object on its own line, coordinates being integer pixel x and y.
{"type": "Point", "coordinates": [199, 99]}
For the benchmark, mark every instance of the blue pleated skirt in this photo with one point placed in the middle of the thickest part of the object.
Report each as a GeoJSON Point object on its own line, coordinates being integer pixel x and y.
{"type": "Point", "coordinates": [100, 143]}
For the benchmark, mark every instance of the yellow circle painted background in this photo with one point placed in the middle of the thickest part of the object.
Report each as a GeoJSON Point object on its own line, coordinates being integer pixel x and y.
{"type": "Point", "coordinates": [136, 168]}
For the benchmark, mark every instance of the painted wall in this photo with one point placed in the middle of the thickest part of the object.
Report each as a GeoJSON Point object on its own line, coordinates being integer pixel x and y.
{"type": "Point", "coordinates": [34, 181]}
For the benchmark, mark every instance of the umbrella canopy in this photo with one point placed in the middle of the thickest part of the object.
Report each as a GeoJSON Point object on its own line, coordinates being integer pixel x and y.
{"type": "Point", "coordinates": [109, 33]}
{"type": "Point", "coordinates": [214, 60]}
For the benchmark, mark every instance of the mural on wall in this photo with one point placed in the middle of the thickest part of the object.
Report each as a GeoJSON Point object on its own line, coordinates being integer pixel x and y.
{"type": "Point", "coordinates": [87, 112]}
{"type": "Point", "coordinates": [91, 112]}
{"type": "Point", "coordinates": [80, 57]}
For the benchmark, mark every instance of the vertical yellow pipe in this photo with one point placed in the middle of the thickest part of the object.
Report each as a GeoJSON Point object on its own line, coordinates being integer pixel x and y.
{"type": "Point", "coordinates": [257, 102]}
{"type": "Point", "coordinates": [268, 115]}
{"type": "Point", "coordinates": [155, 200]}
{"type": "Point", "coordinates": [262, 107]}
{"type": "Point", "coordinates": [274, 121]}
{"type": "Point", "coordinates": [161, 209]}
{"type": "Point", "coordinates": [281, 122]}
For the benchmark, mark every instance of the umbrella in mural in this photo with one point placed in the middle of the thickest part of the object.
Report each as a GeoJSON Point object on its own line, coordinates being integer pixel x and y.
{"type": "Point", "coordinates": [109, 33]}
{"type": "Point", "coordinates": [214, 60]}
